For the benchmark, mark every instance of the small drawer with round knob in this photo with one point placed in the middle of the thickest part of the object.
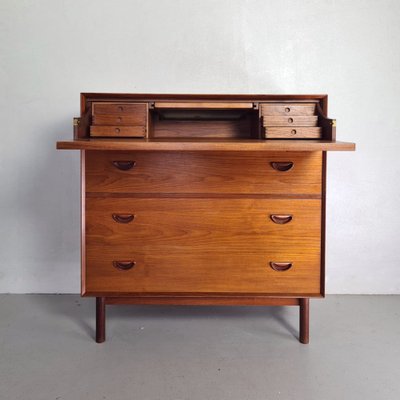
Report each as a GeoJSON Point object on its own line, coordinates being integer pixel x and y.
{"type": "Point", "coordinates": [292, 120]}
{"type": "Point", "coordinates": [117, 120]}
{"type": "Point", "coordinates": [100, 108]}
{"type": "Point", "coordinates": [287, 109]}
{"type": "Point", "coordinates": [305, 132]}
{"type": "Point", "coordinates": [119, 131]}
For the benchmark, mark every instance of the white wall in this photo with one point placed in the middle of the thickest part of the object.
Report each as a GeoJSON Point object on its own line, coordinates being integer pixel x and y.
{"type": "Point", "coordinates": [51, 50]}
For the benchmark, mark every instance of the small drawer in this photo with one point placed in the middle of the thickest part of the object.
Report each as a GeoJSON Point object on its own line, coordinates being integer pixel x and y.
{"type": "Point", "coordinates": [121, 119]}
{"type": "Point", "coordinates": [293, 133]}
{"type": "Point", "coordinates": [204, 172]}
{"type": "Point", "coordinates": [117, 131]}
{"type": "Point", "coordinates": [119, 108]}
{"type": "Point", "coordinates": [288, 109]}
{"type": "Point", "coordinates": [290, 121]}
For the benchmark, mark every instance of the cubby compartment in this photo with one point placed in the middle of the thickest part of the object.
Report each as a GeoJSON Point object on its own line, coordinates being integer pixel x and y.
{"type": "Point", "coordinates": [204, 123]}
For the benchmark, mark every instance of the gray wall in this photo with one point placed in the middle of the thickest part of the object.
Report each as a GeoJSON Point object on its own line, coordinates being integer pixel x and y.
{"type": "Point", "coordinates": [51, 50]}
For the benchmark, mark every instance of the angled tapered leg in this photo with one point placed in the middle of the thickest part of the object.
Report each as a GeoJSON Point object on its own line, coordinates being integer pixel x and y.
{"type": "Point", "coordinates": [100, 319]}
{"type": "Point", "coordinates": [304, 321]}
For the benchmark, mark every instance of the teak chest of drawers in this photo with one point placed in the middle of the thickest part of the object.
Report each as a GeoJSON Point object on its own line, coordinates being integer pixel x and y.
{"type": "Point", "coordinates": [203, 199]}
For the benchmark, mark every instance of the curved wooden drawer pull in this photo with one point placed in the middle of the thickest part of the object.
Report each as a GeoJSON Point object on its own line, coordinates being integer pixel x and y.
{"type": "Point", "coordinates": [281, 219]}
{"type": "Point", "coordinates": [280, 266]}
{"type": "Point", "coordinates": [282, 165]}
{"type": "Point", "coordinates": [124, 165]}
{"type": "Point", "coordinates": [124, 265]}
{"type": "Point", "coordinates": [123, 218]}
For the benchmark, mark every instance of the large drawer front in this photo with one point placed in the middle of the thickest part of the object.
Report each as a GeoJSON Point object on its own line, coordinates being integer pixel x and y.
{"type": "Point", "coordinates": [204, 172]}
{"type": "Point", "coordinates": [203, 246]}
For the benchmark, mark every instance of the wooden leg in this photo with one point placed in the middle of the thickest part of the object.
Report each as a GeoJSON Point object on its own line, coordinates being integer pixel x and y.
{"type": "Point", "coordinates": [304, 320]}
{"type": "Point", "coordinates": [100, 319]}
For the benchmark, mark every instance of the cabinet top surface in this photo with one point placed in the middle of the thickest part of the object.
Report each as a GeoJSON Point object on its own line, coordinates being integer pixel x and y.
{"type": "Point", "coordinates": [181, 96]}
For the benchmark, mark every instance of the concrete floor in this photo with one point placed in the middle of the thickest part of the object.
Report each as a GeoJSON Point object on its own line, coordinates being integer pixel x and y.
{"type": "Point", "coordinates": [47, 351]}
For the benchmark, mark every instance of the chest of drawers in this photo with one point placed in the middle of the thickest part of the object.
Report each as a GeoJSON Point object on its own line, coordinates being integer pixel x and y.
{"type": "Point", "coordinates": [203, 199]}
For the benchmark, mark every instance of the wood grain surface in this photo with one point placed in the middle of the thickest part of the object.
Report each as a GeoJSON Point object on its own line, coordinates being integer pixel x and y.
{"type": "Point", "coordinates": [204, 172]}
{"type": "Point", "coordinates": [203, 245]}
{"type": "Point", "coordinates": [117, 131]}
{"type": "Point", "coordinates": [225, 145]}
{"type": "Point", "coordinates": [119, 119]}
{"type": "Point", "coordinates": [120, 108]}
{"type": "Point", "coordinates": [287, 109]}
{"type": "Point", "coordinates": [293, 132]}
{"type": "Point", "coordinates": [310, 120]}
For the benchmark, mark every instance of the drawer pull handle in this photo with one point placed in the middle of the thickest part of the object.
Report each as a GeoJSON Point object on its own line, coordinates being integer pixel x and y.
{"type": "Point", "coordinates": [124, 265]}
{"type": "Point", "coordinates": [123, 218]}
{"type": "Point", "coordinates": [290, 120]}
{"type": "Point", "coordinates": [282, 166]}
{"type": "Point", "coordinates": [280, 266]}
{"type": "Point", "coordinates": [124, 165]}
{"type": "Point", "coordinates": [287, 109]}
{"type": "Point", "coordinates": [281, 219]}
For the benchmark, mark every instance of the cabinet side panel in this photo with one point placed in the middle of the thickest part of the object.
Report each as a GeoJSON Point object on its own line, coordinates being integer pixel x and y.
{"type": "Point", "coordinates": [323, 222]}
{"type": "Point", "coordinates": [83, 224]}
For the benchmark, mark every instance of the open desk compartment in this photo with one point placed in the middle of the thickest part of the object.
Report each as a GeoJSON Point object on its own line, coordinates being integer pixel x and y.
{"type": "Point", "coordinates": [204, 120]}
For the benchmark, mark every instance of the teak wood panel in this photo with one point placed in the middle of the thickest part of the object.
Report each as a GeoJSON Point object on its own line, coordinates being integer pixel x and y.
{"type": "Point", "coordinates": [199, 272]}
{"type": "Point", "coordinates": [293, 132]}
{"type": "Point", "coordinates": [201, 129]}
{"type": "Point", "coordinates": [205, 223]}
{"type": "Point", "coordinates": [204, 172]}
{"type": "Point", "coordinates": [203, 246]}
{"type": "Point", "coordinates": [191, 105]}
{"type": "Point", "coordinates": [118, 108]}
{"type": "Point", "coordinates": [120, 119]}
{"type": "Point", "coordinates": [201, 300]}
{"type": "Point", "coordinates": [189, 145]}
{"type": "Point", "coordinates": [290, 120]}
{"type": "Point", "coordinates": [287, 109]}
{"type": "Point", "coordinates": [118, 131]}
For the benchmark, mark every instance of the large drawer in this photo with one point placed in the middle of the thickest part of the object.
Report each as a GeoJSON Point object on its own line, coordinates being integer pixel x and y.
{"type": "Point", "coordinates": [203, 246]}
{"type": "Point", "coordinates": [204, 172]}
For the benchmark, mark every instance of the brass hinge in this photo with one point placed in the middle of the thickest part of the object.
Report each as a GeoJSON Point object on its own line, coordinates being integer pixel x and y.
{"type": "Point", "coordinates": [77, 121]}
{"type": "Point", "coordinates": [333, 123]}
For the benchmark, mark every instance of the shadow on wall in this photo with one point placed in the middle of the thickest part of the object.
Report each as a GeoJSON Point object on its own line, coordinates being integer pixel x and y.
{"type": "Point", "coordinates": [41, 215]}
